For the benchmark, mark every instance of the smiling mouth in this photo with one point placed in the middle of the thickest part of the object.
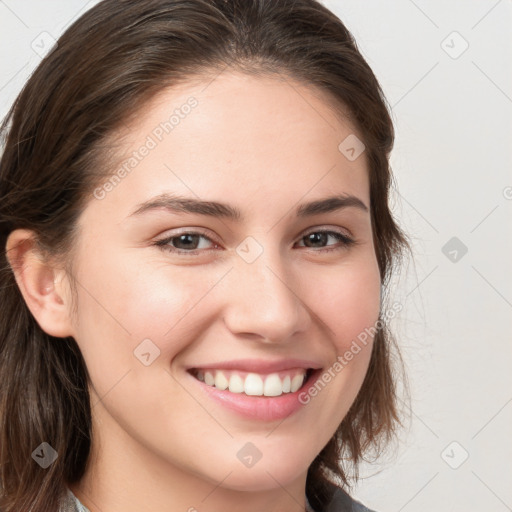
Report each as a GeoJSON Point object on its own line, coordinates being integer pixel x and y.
{"type": "Point", "coordinates": [254, 384]}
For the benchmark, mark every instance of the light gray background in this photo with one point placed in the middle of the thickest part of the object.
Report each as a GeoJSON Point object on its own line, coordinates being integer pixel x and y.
{"type": "Point", "coordinates": [452, 162]}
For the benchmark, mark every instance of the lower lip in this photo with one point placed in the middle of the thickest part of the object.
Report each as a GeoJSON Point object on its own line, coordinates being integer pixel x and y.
{"type": "Point", "coordinates": [260, 408]}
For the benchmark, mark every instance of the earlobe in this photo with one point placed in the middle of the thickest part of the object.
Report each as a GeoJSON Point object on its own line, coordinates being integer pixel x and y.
{"type": "Point", "coordinates": [42, 285]}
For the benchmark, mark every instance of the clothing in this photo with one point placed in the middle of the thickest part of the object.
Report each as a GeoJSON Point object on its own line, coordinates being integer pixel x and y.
{"type": "Point", "coordinates": [341, 502]}
{"type": "Point", "coordinates": [71, 503]}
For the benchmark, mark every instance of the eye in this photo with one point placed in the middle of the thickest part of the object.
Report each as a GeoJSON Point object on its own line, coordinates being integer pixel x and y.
{"type": "Point", "coordinates": [186, 242]}
{"type": "Point", "coordinates": [321, 236]}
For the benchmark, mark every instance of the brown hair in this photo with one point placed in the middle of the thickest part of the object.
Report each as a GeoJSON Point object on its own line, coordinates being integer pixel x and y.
{"type": "Point", "coordinates": [104, 68]}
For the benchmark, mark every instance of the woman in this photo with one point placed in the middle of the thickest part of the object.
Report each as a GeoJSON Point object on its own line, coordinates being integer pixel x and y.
{"type": "Point", "coordinates": [194, 210]}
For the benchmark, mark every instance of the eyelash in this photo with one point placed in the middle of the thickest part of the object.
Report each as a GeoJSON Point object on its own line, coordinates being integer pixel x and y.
{"type": "Point", "coordinates": [164, 243]}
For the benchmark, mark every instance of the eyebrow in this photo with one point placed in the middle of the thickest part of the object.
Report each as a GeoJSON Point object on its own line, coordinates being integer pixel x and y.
{"type": "Point", "coordinates": [181, 204]}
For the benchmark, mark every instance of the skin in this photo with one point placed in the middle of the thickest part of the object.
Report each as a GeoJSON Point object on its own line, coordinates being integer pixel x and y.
{"type": "Point", "coordinates": [158, 442]}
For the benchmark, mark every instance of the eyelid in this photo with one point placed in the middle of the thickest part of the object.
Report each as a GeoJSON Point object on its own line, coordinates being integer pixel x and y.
{"type": "Point", "coordinates": [206, 233]}
{"type": "Point", "coordinates": [346, 240]}
{"type": "Point", "coordinates": [326, 227]}
{"type": "Point", "coordinates": [187, 231]}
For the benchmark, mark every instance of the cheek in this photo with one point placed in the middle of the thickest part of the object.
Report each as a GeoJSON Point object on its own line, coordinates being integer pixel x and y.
{"type": "Point", "coordinates": [125, 301]}
{"type": "Point", "coordinates": [347, 298]}
{"type": "Point", "coordinates": [348, 303]}
{"type": "Point", "coordinates": [355, 324]}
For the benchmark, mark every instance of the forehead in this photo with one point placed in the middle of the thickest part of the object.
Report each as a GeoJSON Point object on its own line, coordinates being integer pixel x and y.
{"type": "Point", "coordinates": [252, 140]}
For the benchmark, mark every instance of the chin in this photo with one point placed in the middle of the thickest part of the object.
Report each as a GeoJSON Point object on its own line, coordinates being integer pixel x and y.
{"type": "Point", "coordinates": [263, 479]}
{"type": "Point", "coordinates": [265, 475]}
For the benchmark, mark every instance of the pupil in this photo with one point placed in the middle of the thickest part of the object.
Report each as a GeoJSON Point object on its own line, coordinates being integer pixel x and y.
{"type": "Point", "coordinates": [317, 237]}
{"type": "Point", "coordinates": [182, 239]}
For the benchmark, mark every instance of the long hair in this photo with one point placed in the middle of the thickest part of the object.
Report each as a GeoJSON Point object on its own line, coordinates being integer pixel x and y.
{"type": "Point", "coordinates": [103, 69]}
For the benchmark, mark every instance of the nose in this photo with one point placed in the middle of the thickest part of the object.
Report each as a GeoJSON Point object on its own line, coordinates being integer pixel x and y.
{"type": "Point", "coordinates": [264, 300]}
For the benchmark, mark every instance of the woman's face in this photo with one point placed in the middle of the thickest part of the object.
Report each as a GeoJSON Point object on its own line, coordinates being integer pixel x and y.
{"type": "Point", "coordinates": [173, 302]}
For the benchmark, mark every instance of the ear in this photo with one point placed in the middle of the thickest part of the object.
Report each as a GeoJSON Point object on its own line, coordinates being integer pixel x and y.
{"type": "Point", "coordinates": [44, 287]}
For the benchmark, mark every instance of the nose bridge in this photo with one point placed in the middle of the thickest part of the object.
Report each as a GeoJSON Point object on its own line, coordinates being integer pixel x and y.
{"type": "Point", "coordinates": [263, 300]}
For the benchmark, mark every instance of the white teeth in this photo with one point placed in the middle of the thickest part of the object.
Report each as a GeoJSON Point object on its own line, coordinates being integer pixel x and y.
{"type": "Point", "coordinates": [253, 384]}
{"type": "Point", "coordinates": [220, 380]}
{"type": "Point", "coordinates": [297, 382]}
{"type": "Point", "coordinates": [236, 384]}
{"type": "Point", "coordinates": [273, 385]}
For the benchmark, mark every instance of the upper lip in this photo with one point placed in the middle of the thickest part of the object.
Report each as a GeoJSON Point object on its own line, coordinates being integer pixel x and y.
{"type": "Point", "coordinates": [259, 365]}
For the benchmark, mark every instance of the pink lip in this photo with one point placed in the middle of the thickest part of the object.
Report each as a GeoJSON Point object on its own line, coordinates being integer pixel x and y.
{"type": "Point", "coordinates": [259, 365]}
{"type": "Point", "coordinates": [258, 407]}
